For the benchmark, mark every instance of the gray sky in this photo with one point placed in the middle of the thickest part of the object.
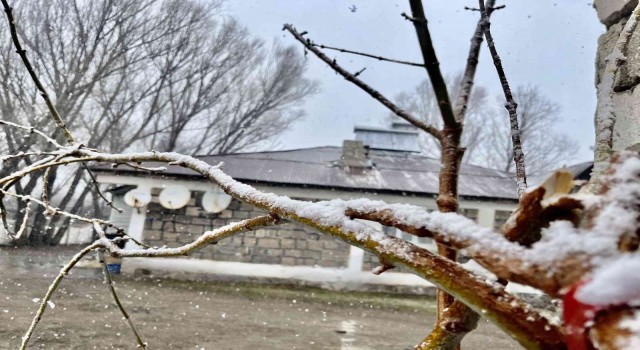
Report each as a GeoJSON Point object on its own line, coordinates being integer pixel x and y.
{"type": "Point", "coordinates": [548, 43]}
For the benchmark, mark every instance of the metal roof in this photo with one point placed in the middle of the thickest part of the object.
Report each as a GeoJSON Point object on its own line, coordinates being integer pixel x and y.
{"type": "Point", "coordinates": [580, 171]}
{"type": "Point", "coordinates": [399, 172]}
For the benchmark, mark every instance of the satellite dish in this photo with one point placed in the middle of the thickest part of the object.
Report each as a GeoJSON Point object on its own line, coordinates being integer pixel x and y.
{"type": "Point", "coordinates": [215, 201]}
{"type": "Point", "coordinates": [174, 197]}
{"type": "Point", "coordinates": [137, 198]}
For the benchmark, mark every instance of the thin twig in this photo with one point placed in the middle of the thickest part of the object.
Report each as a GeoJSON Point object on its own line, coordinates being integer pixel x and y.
{"type": "Point", "coordinates": [5, 224]}
{"type": "Point", "coordinates": [55, 211]}
{"type": "Point", "coordinates": [511, 105]}
{"type": "Point", "coordinates": [468, 77]}
{"type": "Point", "coordinates": [116, 299]}
{"type": "Point", "coordinates": [308, 44]}
{"type": "Point", "coordinates": [94, 182]}
{"type": "Point", "coordinates": [207, 238]}
{"type": "Point", "coordinates": [42, 166]}
{"type": "Point", "coordinates": [24, 155]}
{"type": "Point", "coordinates": [377, 57]}
{"type": "Point", "coordinates": [52, 288]}
{"type": "Point", "coordinates": [31, 129]}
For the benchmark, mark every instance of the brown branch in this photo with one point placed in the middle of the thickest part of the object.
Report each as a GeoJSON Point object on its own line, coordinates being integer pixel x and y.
{"type": "Point", "coordinates": [447, 333]}
{"type": "Point", "coordinates": [379, 58]}
{"type": "Point", "coordinates": [114, 294]}
{"type": "Point", "coordinates": [451, 152]}
{"type": "Point", "coordinates": [509, 264]}
{"type": "Point", "coordinates": [431, 63]}
{"type": "Point", "coordinates": [468, 77]}
{"type": "Point", "coordinates": [511, 105]}
{"type": "Point", "coordinates": [139, 167]}
{"type": "Point", "coordinates": [308, 44]}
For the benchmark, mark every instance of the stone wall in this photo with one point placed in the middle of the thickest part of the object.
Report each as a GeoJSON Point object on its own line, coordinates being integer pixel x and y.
{"type": "Point", "coordinates": [288, 244]}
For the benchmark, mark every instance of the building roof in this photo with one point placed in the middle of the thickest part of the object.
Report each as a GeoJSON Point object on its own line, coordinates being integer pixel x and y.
{"type": "Point", "coordinates": [392, 171]}
{"type": "Point", "coordinates": [580, 171]}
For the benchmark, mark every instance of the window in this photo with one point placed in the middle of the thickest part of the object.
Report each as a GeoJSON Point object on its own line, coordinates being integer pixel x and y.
{"type": "Point", "coordinates": [501, 217]}
{"type": "Point", "coordinates": [469, 213]}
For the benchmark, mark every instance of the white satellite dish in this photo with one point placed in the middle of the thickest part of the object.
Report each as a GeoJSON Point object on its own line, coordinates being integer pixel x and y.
{"type": "Point", "coordinates": [174, 197]}
{"type": "Point", "coordinates": [215, 201]}
{"type": "Point", "coordinates": [137, 198]}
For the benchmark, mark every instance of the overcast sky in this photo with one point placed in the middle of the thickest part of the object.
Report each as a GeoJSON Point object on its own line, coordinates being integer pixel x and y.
{"type": "Point", "coordinates": [548, 43]}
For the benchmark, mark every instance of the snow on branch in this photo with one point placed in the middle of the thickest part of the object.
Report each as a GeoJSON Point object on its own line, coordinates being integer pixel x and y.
{"type": "Point", "coordinates": [565, 253]}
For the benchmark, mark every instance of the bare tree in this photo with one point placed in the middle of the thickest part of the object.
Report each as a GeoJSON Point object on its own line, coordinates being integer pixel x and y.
{"type": "Point", "coordinates": [545, 147]}
{"type": "Point", "coordinates": [422, 103]}
{"type": "Point", "coordinates": [486, 135]}
{"type": "Point", "coordinates": [589, 249]}
{"type": "Point", "coordinates": [162, 74]}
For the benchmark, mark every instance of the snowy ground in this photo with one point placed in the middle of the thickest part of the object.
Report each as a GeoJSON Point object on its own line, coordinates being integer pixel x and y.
{"type": "Point", "coordinates": [191, 315]}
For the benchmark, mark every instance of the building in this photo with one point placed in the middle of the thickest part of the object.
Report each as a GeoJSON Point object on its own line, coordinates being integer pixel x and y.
{"type": "Point", "coordinates": [380, 164]}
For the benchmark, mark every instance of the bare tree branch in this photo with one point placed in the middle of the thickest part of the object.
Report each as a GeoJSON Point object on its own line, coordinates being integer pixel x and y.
{"type": "Point", "coordinates": [27, 64]}
{"type": "Point", "coordinates": [431, 63]}
{"type": "Point", "coordinates": [511, 105]}
{"type": "Point", "coordinates": [379, 58]}
{"type": "Point", "coordinates": [468, 77]}
{"type": "Point", "coordinates": [116, 299]}
{"type": "Point", "coordinates": [308, 44]}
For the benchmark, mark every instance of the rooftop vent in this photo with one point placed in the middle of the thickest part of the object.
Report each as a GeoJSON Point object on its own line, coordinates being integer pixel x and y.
{"type": "Point", "coordinates": [402, 137]}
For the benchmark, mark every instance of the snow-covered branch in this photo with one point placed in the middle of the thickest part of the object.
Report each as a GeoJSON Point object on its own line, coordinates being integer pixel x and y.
{"type": "Point", "coordinates": [330, 217]}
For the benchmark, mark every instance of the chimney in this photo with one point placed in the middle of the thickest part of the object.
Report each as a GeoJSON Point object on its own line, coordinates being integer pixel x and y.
{"type": "Point", "coordinates": [355, 155]}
